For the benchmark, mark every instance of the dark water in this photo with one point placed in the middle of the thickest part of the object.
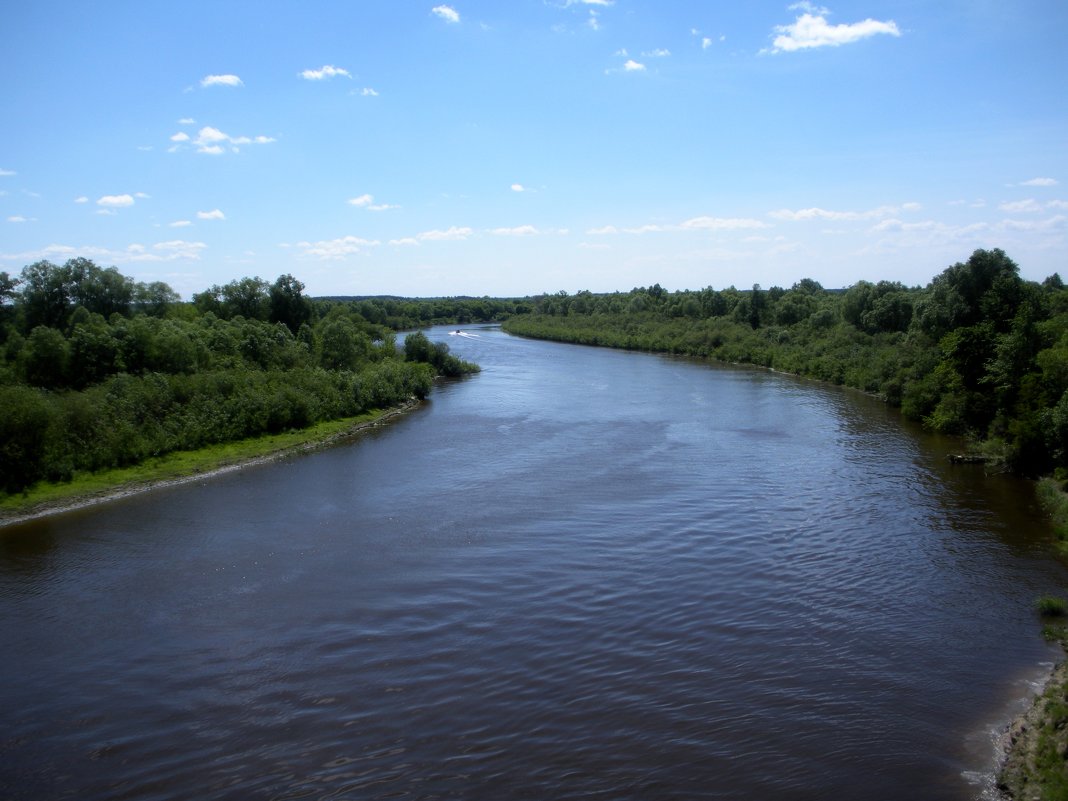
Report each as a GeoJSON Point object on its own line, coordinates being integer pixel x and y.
{"type": "Point", "coordinates": [581, 574]}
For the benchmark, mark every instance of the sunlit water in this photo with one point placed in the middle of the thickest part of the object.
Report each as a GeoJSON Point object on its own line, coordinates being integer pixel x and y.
{"type": "Point", "coordinates": [581, 573]}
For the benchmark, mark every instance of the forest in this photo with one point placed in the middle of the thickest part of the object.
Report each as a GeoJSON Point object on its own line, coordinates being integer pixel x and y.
{"type": "Point", "coordinates": [100, 371]}
{"type": "Point", "coordinates": [979, 352]}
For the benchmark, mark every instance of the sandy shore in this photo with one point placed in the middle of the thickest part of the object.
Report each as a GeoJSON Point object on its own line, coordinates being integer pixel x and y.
{"type": "Point", "coordinates": [126, 489]}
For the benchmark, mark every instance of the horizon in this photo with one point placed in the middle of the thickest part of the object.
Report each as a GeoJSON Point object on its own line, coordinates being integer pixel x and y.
{"type": "Point", "coordinates": [425, 149]}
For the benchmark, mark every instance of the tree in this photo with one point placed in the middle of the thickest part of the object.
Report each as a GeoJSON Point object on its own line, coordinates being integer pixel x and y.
{"type": "Point", "coordinates": [44, 357]}
{"type": "Point", "coordinates": [102, 291]}
{"type": "Point", "coordinates": [287, 304]}
{"type": "Point", "coordinates": [985, 288]}
{"type": "Point", "coordinates": [342, 346]}
{"type": "Point", "coordinates": [45, 295]}
{"type": "Point", "coordinates": [155, 298]}
{"type": "Point", "coordinates": [247, 298]}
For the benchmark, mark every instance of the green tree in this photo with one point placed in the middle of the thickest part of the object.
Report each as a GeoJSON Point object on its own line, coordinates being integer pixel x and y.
{"type": "Point", "coordinates": [247, 298]}
{"type": "Point", "coordinates": [288, 304]}
{"type": "Point", "coordinates": [45, 357]}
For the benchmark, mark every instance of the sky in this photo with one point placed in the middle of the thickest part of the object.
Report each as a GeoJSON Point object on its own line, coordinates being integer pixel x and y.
{"type": "Point", "coordinates": [514, 147]}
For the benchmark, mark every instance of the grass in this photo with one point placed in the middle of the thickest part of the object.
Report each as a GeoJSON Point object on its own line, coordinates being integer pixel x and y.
{"type": "Point", "coordinates": [178, 465]}
{"type": "Point", "coordinates": [1054, 500]}
{"type": "Point", "coordinates": [1051, 606]}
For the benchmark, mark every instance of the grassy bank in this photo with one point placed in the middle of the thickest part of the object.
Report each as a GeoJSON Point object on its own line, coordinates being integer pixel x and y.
{"type": "Point", "coordinates": [1054, 500]}
{"type": "Point", "coordinates": [88, 488]}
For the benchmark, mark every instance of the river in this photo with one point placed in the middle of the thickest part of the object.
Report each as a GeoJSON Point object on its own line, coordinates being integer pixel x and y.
{"type": "Point", "coordinates": [581, 573]}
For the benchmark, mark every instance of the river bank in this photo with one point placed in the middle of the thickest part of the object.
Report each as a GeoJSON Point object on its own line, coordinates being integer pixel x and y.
{"type": "Point", "coordinates": [1035, 745]}
{"type": "Point", "coordinates": [184, 467]}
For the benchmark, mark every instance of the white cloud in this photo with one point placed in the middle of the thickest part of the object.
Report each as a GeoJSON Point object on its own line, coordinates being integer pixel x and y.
{"type": "Point", "coordinates": [451, 234]}
{"type": "Point", "coordinates": [208, 135]}
{"type": "Point", "coordinates": [520, 230]}
{"type": "Point", "coordinates": [367, 91]}
{"type": "Point", "coordinates": [518, 188]}
{"type": "Point", "coordinates": [447, 13]}
{"type": "Point", "coordinates": [633, 66]}
{"type": "Point", "coordinates": [568, 3]}
{"type": "Point", "coordinates": [703, 223]}
{"type": "Point", "coordinates": [722, 223]}
{"type": "Point", "coordinates": [174, 250]}
{"type": "Point", "coordinates": [82, 199]}
{"type": "Point", "coordinates": [221, 80]}
{"type": "Point", "coordinates": [1032, 182]}
{"type": "Point", "coordinates": [812, 30]}
{"type": "Point", "coordinates": [141, 195]}
{"type": "Point", "coordinates": [454, 234]}
{"type": "Point", "coordinates": [187, 121]}
{"type": "Point", "coordinates": [214, 214]}
{"type": "Point", "coordinates": [1021, 206]}
{"type": "Point", "coordinates": [368, 202]}
{"type": "Point", "coordinates": [810, 8]}
{"type": "Point", "coordinates": [17, 218]}
{"type": "Point", "coordinates": [1034, 226]}
{"type": "Point", "coordinates": [705, 43]}
{"type": "Point", "coordinates": [180, 224]}
{"type": "Point", "coordinates": [824, 214]}
{"type": "Point", "coordinates": [212, 141]}
{"type": "Point", "coordinates": [115, 201]}
{"type": "Point", "coordinates": [326, 71]}
{"type": "Point", "coordinates": [107, 212]}
{"type": "Point", "coordinates": [336, 248]}
{"type": "Point", "coordinates": [7, 172]}
{"type": "Point", "coordinates": [660, 52]}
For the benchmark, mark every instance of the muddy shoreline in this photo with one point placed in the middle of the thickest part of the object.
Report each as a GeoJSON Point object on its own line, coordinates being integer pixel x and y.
{"type": "Point", "coordinates": [1025, 773]}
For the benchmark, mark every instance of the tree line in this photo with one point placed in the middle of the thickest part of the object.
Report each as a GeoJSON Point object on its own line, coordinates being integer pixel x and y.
{"type": "Point", "coordinates": [978, 352]}
{"type": "Point", "coordinates": [99, 371]}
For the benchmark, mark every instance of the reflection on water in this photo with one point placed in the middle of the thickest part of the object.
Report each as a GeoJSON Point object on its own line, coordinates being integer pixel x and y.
{"type": "Point", "coordinates": [580, 573]}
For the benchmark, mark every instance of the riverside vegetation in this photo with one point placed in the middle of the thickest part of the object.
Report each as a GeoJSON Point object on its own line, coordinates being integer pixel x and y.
{"type": "Point", "coordinates": [99, 372]}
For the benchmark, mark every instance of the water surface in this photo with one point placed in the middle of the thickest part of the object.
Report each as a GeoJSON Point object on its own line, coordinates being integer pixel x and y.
{"type": "Point", "coordinates": [581, 573]}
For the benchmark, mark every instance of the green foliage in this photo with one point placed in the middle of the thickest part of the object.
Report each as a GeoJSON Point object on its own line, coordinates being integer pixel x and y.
{"type": "Point", "coordinates": [1051, 606]}
{"type": "Point", "coordinates": [112, 373]}
{"type": "Point", "coordinates": [417, 348]}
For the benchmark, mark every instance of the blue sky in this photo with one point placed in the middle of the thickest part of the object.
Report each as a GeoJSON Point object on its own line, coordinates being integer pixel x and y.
{"type": "Point", "coordinates": [524, 146]}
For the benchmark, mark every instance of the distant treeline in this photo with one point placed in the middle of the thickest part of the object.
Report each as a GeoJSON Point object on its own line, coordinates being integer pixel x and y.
{"type": "Point", "coordinates": [978, 352]}
{"type": "Point", "coordinates": [100, 371]}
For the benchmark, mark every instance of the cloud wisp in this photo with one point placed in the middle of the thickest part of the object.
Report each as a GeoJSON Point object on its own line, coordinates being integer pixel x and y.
{"type": "Point", "coordinates": [447, 13]}
{"type": "Point", "coordinates": [214, 142]}
{"type": "Point", "coordinates": [812, 30]}
{"type": "Point", "coordinates": [367, 201]}
{"type": "Point", "coordinates": [324, 72]}
{"type": "Point", "coordinates": [221, 80]}
{"type": "Point", "coordinates": [703, 223]}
